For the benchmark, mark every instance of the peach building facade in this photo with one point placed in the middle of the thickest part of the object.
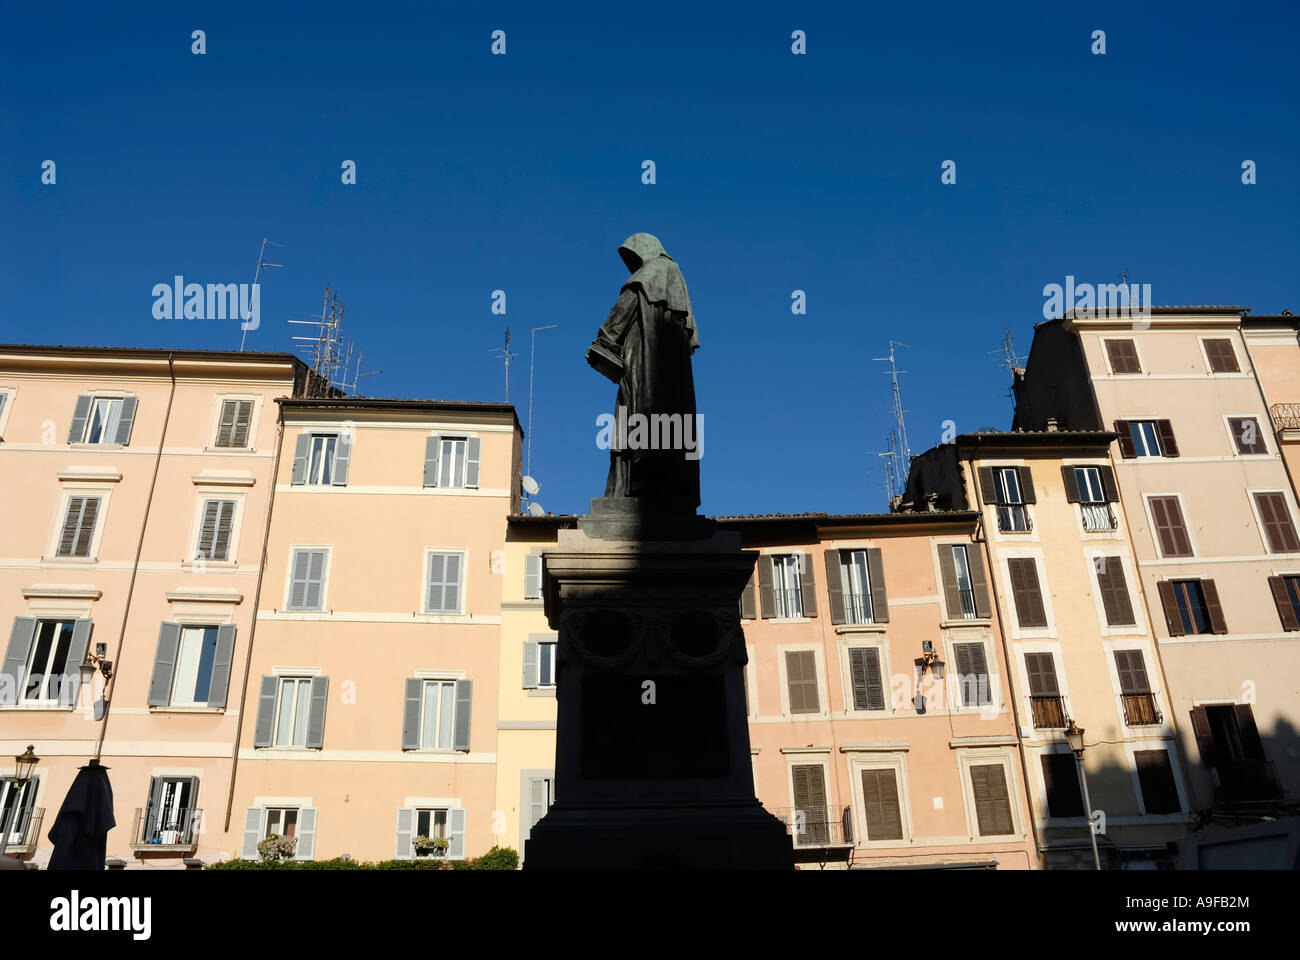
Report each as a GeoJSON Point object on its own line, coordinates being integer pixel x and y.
{"type": "Point", "coordinates": [136, 486]}
{"type": "Point", "coordinates": [1273, 345]}
{"type": "Point", "coordinates": [372, 701]}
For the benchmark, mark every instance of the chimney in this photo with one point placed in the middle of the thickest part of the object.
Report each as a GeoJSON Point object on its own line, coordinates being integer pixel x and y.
{"type": "Point", "coordinates": [1051, 425]}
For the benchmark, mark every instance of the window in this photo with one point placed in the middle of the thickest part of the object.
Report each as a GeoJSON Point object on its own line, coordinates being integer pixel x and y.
{"type": "Point", "coordinates": [992, 801]}
{"type": "Point", "coordinates": [1170, 530]}
{"type": "Point", "coordinates": [321, 459]}
{"type": "Point", "coordinates": [1046, 705]}
{"type": "Point", "coordinates": [1230, 747]}
{"type": "Point", "coordinates": [1026, 594]}
{"type": "Point", "coordinates": [1191, 607]}
{"type": "Point", "coordinates": [1156, 779]}
{"type": "Point", "coordinates": [1222, 358]}
{"type": "Point", "coordinates": [281, 821]}
{"type": "Point", "coordinates": [1246, 436]}
{"type": "Point", "coordinates": [431, 823]}
{"type": "Point", "coordinates": [965, 587]}
{"type": "Point", "coordinates": [437, 714]}
{"type": "Point", "coordinates": [801, 681]}
{"type": "Point", "coordinates": [972, 675]}
{"type": "Point", "coordinates": [444, 583]}
{"type": "Point", "coordinates": [786, 587]}
{"type": "Point", "coordinates": [17, 803]}
{"type": "Point", "coordinates": [866, 677]}
{"type": "Point", "coordinates": [437, 717]}
{"type": "Point", "coordinates": [1012, 517]}
{"type": "Point", "coordinates": [292, 710]}
{"type": "Point", "coordinates": [102, 419]}
{"type": "Point", "coordinates": [1275, 518]}
{"type": "Point", "coordinates": [451, 461]}
{"type": "Point", "coordinates": [170, 817]}
{"type": "Point", "coordinates": [539, 794]}
{"type": "Point", "coordinates": [51, 673]}
{"type": "Point", "coordinates": [1061, 778]}
{"type": "Point", "coordinates": [880, 798]}
{"type": "Point", "coordinates": [78, 527]}
{"type": "Point", "coordinates": [811, 824]}
{"type": "Point", "coordinates": [1146, 438]}
{"type": "Point", "coordinates": [533, 576]}
{"type": "Point", "coordinates": [857, 585]}
{"type": "Point", "coordinates": [1286, 596]}
{"type": "Point", "coordinates": [1123, 356]}
{"type": "Point", "coordinates": [539, 663]}
{"type": "Point", "coordinates": [307, 579]}
{"type": "Point", "coordinates": [1097, 515]}
{"type": "Point", "coordinates": [961, 571]}
{"type": "Point", "coordinates": [1112, 586]}
{"type": "Point", "coordinates": [191, 667]}
{"type": "Point", "coordinates": [1135, 689]}
{"type": "Point", "coordinates": [321, 463]}
{"type": "Point", "coordinates": [192, 682]}
{"type": "Point", "coordinates": [214, 532]}
{"type": "Point", "coordinates": [232, 429]}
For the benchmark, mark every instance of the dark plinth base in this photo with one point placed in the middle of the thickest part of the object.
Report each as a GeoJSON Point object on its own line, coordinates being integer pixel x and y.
{"type": "Point", "coordinates": [637, 518]}
{"type": "Point", "coordinates": [742, 837]}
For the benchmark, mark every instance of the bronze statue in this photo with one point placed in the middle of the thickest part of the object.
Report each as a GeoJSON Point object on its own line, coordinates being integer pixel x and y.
{"type": "Point", "coordinates": [645, 346]}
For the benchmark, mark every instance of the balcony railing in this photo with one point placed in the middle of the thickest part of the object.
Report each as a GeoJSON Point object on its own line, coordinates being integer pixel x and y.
{"type": "Point", "coordinates": [967, 597]}
{"type": "Point", "coordinates": [817, 826]}
{"type": "Point", "coordinates": [789, 602]}
{"type": "Point", "coordinates": [1140, 709]}
{"type": "Point", "coordinates": [25, 832]}
{"type": "Point", "coordinates": [1247, 780]}
{"type": "Point", "coordinates": [161, 830]}
{"type": "Point", "coordinates": [1014, 518]}
{"type": "Point", "coordinates": [1098, 517]}
{"type": "Point", "coordinates": [857, 608]}
{"type": "Point", "coordinates": [1286, 415]}
{"type": "Point", "coordinates": [1048, 712]}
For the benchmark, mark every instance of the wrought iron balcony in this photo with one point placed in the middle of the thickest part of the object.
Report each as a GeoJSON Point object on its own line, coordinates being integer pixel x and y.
{"type": "Point", "coordinates": [162, 831]}
{"type": "Point", "coordinates": [1246, 780]}
{"type": "Point", "coordinates": [1098, 517]}
{"type": "Point", "coordinates": [1286, 415]}
{"type": "Point", "coordinates": [1140, 709]}
{"type": "Point", "coordinates": [1014, 518]}
{"type": "Point", "coordinates": [817, 826]}
{"type": "Point", "coordinates": [1048, 712]}
{"type": "Point", "coordinates": [857, 608]}
{"type": "Point", "coordinates": [788, 601]}
{"type": "Point", "coordinates": [25, 832]}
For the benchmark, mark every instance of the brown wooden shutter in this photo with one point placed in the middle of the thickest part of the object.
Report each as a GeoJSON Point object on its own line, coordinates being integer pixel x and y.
{"type": "Point", "coordinates": [1243, 428]}
{"type": "Point", "coordinates": [988, 491]}
{"type": "Point", "coordinates": [979, 581]}
{"type": "Point", "coordinates": [1071, 481]}
{"type": "Point", "coordinates": [809, 782]}
{"type": "Point", "coordinates": [1171, 531]}
{"type": "Point", "coordinates": [1279, 531]}
{"type": "Point", "coordinates": [1213, 608]}
{"type": "Point", "coordinates": [1025, 591]}
{"type": "Point", "coordinates": [807, 585]}
{"type": "Point", "coordinates": [880, 797]}
{"type": "Point", "coordinates": [1169, 602]}
{"type": "Point", "coordinates": [1123, 356]}
{"type": "Point", "coordinates": [868, 684]}
{"type": "Point", "coordinates": [749, 600]}
{"type": "Point", "coordinates": [765, 586]}
{"type": "Point", "coordinates": [1061, 780]}
{"type": "Point", "coordinates": [879, 596]}
{"type": "Point", "coordinates": [948, 573]}
{"type": "Point", "coordinates": [1251, 745]}
{"type": "Point", "coordinates": [1108, 482]}
{"type": "Point", "coordinates": [226, 428]}
{"type": "Point", "coordinates": [1113, 587]}
{"type": "Point", "coordinates": [1223, 359]}
{"type": "Point", "coordinates": [1168, 445]}
{"type": "Point", "coordinates": [1026, 485]}
{"type": "Point", "coordinates": [1156, 778]}
{"type": "Point", "coordinates": [835, 586]}
{"type": "Point", "coordinates": [1285, 611]}
{"type": "Point", "coordinates": [972, 674]}
{"type": "Point", "coordinates": [1126, 448]}
{"type": "Point", "coordinates": [1132, 671]}
{"type": "Point", "coordinates": [1041, 668]}
{"type": "Point", "coordinates": [801, 681]}
{"type": "Point", "coordinates": [1204, 738]}
{"type": "Point", "coordinates": [992, 803]}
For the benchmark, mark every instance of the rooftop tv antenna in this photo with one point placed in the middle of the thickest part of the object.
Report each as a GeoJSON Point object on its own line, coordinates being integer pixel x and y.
{"type": "Point", "coordinates": [505, 354]}
{"type": "Point", "coordinates": [532, 355]}
{"type": "Point", "coordinates": [1007, 359]}
{"type": "Point", "coordinates": [261, 262]}
{"type": "Point", "coordinates": [900, 454]}
{"type": "Point", "coordinates": [328, 354]}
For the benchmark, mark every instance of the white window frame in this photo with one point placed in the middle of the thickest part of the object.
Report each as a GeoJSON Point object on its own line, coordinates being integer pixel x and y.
{"type": "Point", "coordinates": [463, 602]}
{"type": "Point", "coordinates": [44, 701]}
{"type": "Point", "coordinates": [895, 760]}
{"type": "Point", "coordinates": [1044, 592]}
{"type": "Point", "coordinates": [1289, 500]}
{"type": "Point", "coordinates": [554, 646]}
{"type": "Point", "coordinates": [317, 468]}
{"type": "Point", "coordinates": [1157, 556]}
{"type": "Point", "coordinates": [444, 680]}
{"type": "Point", "coordinates": [1268, 453]}
{"type": "Point", "coordinates": [95, 399]}
{"type": "Point", "coordinates": [188, 629]}
{"type": "Point", "coordinates": [968, 757]}
{"type": "Point", "coordinates": [453, 466]}
{"type": "Point", "coordinates": [1159, 446]}
{"type": "Point", "coordinates": [1175, 770]}
{"type": "Point", "coordinates": [325, 581]}
{"type": "Point", "coordinates": [1139, 626]}
{"type": "Point", "coordinates": [302, 708]}
{"type": "Point", "coordinates": [236, 527]}
{"type": "Point", "coordinates": [790, 564]}
{"type": "Point", "coordinates": [847, 585]}
{"type": "Point", "coordinates": [881, 645]}
{"type": "Point", "coordinates": [17, 830]}
{"type": "Point", "coordinates": [1237, 351]}
{"type": "Point", "coordinates": [1137, 350]}
{"type": "Point", "coordinates": [823, 711]}
{"type": "Point", "coordinates": [281, 808]}
{"type": "Point", "coordinates": [254, 419]}
{"type": "Point", "coordinates": [79, 489]}
{"type": "Point", "coordinates": [9, 394]}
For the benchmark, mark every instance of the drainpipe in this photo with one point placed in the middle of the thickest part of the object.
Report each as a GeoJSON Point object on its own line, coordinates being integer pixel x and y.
{"type": "Point", "coordinates": [135, 567]}
{"type": "Point", "coordinates": [252, 627]}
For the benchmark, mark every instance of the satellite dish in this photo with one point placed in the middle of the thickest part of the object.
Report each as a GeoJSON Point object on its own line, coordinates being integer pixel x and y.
{"type": "Point", "coordinates": [531, 486]}
{"type": "Point", "coordinates": [535, 509]}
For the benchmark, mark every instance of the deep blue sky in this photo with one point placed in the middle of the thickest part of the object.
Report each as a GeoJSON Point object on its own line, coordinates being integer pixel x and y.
{"type": "Point", "coordinates": [775, 172]}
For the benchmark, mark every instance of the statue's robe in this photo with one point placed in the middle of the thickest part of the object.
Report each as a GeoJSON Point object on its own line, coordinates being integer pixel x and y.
{"type": "Point", "coordinates": [656, 345]}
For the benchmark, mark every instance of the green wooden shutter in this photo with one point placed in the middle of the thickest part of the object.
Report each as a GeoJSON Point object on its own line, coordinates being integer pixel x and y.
{"type": "Point", "coordinates": [1132, 670]}
{"type": "Point", "coordinates": [301, 447]}
{"type": "Point", "coordinates": [252, 833]}
{"type": "Point", "coordinates": [320, 687]}
{"type": "Point", "coordinates": [473, 446]}
{"type": "Point", "coordinates": [226, 425]}
{"type": "Point", "coordinates": [879, 596]}
{"type": "Point", "coordinates": [208, 530]}
{"type": "Point", "coordinates": [1025, 591]}
{"type": "Point", "coordinates": [80, 414]}
{"type": "Point", "coordinates": [880, 797]}
{"type": "Point", "coordinates": [464, 700]}
{"type": "Point", "coordinates": [14, 674]}
{"type": "Point", "coordinates": [264, 728]}
{"type": "Point", "coordinates": [405, 834]}
{"type": "Point", "coordinates": [125, 420]}
{"type": "Point", "coordinates": [164, 664]}
{"type": "Point", "coordinates": [71, 683]}
{"type": "Point", "coordinates": [868, 683]}
{"type": "Point", "coordinates": [225, 525]}
{"type": "Point", "coordinates": [411, 713]}
{"type": "Point", "coordinates": [835, 585]}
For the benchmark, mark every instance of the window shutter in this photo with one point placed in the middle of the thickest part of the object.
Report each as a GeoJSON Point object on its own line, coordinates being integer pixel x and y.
{"type": "Point", "coordinates": [1285, 611]}
{"type": "Point", "coordinates": [86, 527]}
{"type": "Point", "coordinates": [1251, 745]}
{"type": "Point", "coordinates": [749, 600]}
{"type": "Point", "coordinates": [451, 587]}
{"type": "Point", "coordinates": [1061, 782]}
{"type": "Point", "coordinates": [342, 459]}
{"type": "Point", "coordinates": [164, 665]}
{"type": "Point", "coordinates": [1223, 359]}
{"type": "Point", "coordinates": [1204, 737]}
{"type": "Point", "coordinates": [765, 586]}
{"type": "Point", "coordinates": [835, 585]}
{"type": "Point", "coordinates": [879, 597]}
{"type": "Point", "coordinates": [1026, 485]}
{"type": "Point", "coordinates": [21, 636]}
{"type": "Point", "coordinates": [1041, 669]}
{"type": "Point", "coordinates": [1109, 489]}
{"type": "Point", "coordinates": [532, 576]}
{"type": "Point", "coordinates": [80, 414]}
{"type": "Point", "coordinates": [464, 698]}
{"type": "Point", "coordinates": [536, 801]}
{"type": "Point", "coordinates": [221, 662]}
{"type": "Point", "coordinates": [226, 425]}
{"type": "Point", "coordinates": [868, 685]}
{"type": "Point", "coordinates": [530, 665]}
{"type": "Point", "coordinates": [306, 834]}
{"type": "Point", "coordinates": [980, 668]}
{"type": "Point", "coordinates": [962, 650]}
{"type": "Point", "coordinates": [263, 730]}
{"type": "Point", "coordinates": [456, 833]}
{"type": "Point", "coordinates": [988, 490]}
{"type": "Point", "coordinates": [1132, 672]}
{"type": "Point", "coordinates": [1126, 448]}
{"type": "Point", "coordinates": [411, 714]}
{"type": "Point", "coordinates": [801, 681]}
{"type": "Point", "coordinates": [71, 526]}
{"type": "Point", "coordinates": [880, 797]}
{"type": "Point", "coordinates": [320, 687]}
{"type": "Point", "coordinates": [315, 579]}
{"type": "Point", "coordinates": [1169, 603]}
{"type": "Point", "coordinates": [979, 581]}
{"type": "Point", "coordinates": [405, 834]}
{"type": "Point", "coordinates": [298, 579]}
{"type": "Point", "coordinates": [252, 833]}
{"type": "Point", "coordinates": [1113, 588]}
{"type": "Point", "coordinates": [1155, 777]}
{"type": "Point", "coordinates": [1279, 531]}
{"type": "Point", "coordinates": [1212, 607]}
{"type": "Point", "coordinates": [1168, 445]}
{"type": "Point", "coordinates": [301, 447]}
{"type": "Point", "coordinates": [1171, 532]}
{"type": "Point", "coordinates": [992, 804]}
{"type": "Point", "coordinates": [1071, 481]}
{"type": "Point", "coordinates": [809, 783]}
{"type": "Point", "coordinates": [431, 447]}
{"type": "Point", "coordinates": [472, 449]}
{"type": "Point", "coordinates": [152, 809]}
{"type": "Point", "coordinates": [208, 530]}
{"type": "Point", "coordinates": [1025, 591]}
{"type": "Point", "coordinates": [125, 420]}
{"type": "Point", "coordinates": [807, 585]}
{"type": "Point", "coordinates": [76, 656]}
{"type": "Point", "coordinates": [225, 524]}
{"type": "Point", "coordinates": [948, 574]}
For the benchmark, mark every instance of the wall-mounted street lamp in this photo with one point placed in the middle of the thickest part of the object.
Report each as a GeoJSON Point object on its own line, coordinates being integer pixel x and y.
{"type": "Point", "coordinates": [24, 765]}
{"type": "Point", "coordinates": [928, 660]}
{"type": "Point", "coordinates": [1074, 737]}
{"type": "Point", "coordinates": [95, 661]}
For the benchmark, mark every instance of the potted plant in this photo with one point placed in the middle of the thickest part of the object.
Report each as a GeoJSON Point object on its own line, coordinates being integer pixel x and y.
{"type": "Point", "coordinates": [430, 846]}
{"type": "Point", "coordinates": [276, 847]}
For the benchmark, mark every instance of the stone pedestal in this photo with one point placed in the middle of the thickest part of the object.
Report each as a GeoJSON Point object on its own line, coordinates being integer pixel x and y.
{"type": "Point", "coordinates": [652, 765]}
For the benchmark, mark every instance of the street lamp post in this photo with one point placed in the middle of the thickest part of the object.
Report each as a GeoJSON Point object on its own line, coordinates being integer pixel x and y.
{"type": "Point", "coordinates": [1074, 737]}
{"type": "Point", "coordinates": [24, 764]}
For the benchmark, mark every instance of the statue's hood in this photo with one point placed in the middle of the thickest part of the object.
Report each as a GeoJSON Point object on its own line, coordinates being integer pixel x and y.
{"type": "Point", "coordinates": [658, 277]}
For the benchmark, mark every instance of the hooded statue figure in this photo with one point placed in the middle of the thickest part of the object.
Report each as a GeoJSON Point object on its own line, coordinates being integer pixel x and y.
{"type": "Point", "coordinates": [645, 345]}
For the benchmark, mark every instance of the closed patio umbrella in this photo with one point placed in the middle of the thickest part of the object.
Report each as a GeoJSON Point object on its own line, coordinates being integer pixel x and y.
{"type": "Point", "coordinates": [80, 832]}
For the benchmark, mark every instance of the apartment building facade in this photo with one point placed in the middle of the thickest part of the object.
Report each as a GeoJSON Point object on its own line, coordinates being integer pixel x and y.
{"type": "Point", "coordinates": [1212, 509]}
{"type": "Point", "coordinates": [135, 486]}
{"type": "Point", "coordinates": [1056, 536]}
{"type": "Point", "coordinates": [1273, 349]}
{"type": "Point", "coordinates": [371, 713]}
